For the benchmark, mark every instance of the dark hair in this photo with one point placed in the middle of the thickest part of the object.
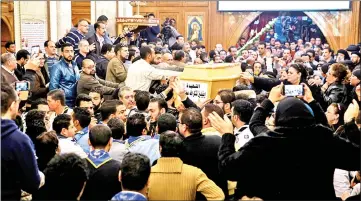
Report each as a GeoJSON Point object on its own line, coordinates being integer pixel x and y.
{"type": "Point", "coordinates": [118, 47]}
{"type": "Point", "coordinates": [192, 118]}
{"type": "Point", "coordinates": [209, 108]}
{"type": "Point", "coordinates": [142, 99]}
{"type": "Point", "coordinates": [260, 98]}
{"type": "Point", "coordinates": [37, 102]}
{"type": "Point", "coordinates": [240, 87]}
{"type": "Point", "coordinates": [340, 71]}
{"type": "Point", "coordinates": [46, 146]}
{"type": "Point", "coordinates": [166, 122]}
{"type": "Point", "coordinates": [82, 97]}
{"type": "Point", "coordinates": [158, 50]}
{"type": "Point", "coordinates": [136, 124]}
{"type": "Point", "coordinates": [59, 171]}
{"type": "Point", "coordinates": [46, 43]}
{"type": "Point", "coordinates": [312, 52]}
{"type": "Point", "coordinates": [301, 69]}
{"type": "Point", "coordinates": [179, 55]}
{"type": "Point", "coordinates": [61, 121]}
{"type": "Point", "coordinates": [109, 107]}
{"type": "Point", "coordinates": [203, 57]}
{"type": "Point", "coordinates": [227, 95]}
{"type": "Point", "coordinates": [145, 51]}
{"type": "Point", "coordinates": [136, 59]}
{"type": "Point", "coordinates": [117, 127]}
{"type": "Point", "coordinates": [82, 115]}
{"type": "Point", "coordinates": [212, 54]}
{"type": "Point", "coordinates": [35, 124]}
{"type": "Point", "coordinates": [180, 36]}
{"type": "Point", "coordinates": [230, 48]}
{"type": "Point", "coordinates": [228, 59]}
{"type": "Point", "coordinates": [99, 136]}
{"type": "Point", "coordinates": [325, 67]}
{"type": "Point", "coordinates": [57, 94]}
{"type": "Point", "coordinates": [8, 96]}
{"type": "Point", "coordinates": [161, 103]}
{"type": "Point", "coordinates": [243, 109]}
{"type": "Point", "coordinates": [22, 54]}
{"type": "Point", "coordinates": [98, 90]}
{"type": "Point", "coordinates": [66, 45]}
{"type": "Point", "coordinates": [9, 43]}
{"type": "Point", "coordinates": [305, 55]}
{"type": "Point", "coordinates": [102, 18]}
{"type": "Point", "coordinates": [329, 50]}
{"type": "Point", "coordinates": [131, 54]}
{"type": "Point", "coordinates": [106, 48]}
{"type": "Point", "coordinates": [97, 25]}
{"type": "Point", "coordinates": [171, 143]}
{"type": "Point", "coordinates": [151, 14]}
{"type": "Point", "coordinates": [135, 171]}
{"type": "Point", "coordinates": [262, 43]}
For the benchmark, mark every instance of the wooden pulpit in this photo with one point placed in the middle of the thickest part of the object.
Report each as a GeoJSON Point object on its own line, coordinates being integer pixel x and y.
{"type": "Point", "coordinates": [134, 24]}
{"type": "Point", "coordinates": [204, 81]}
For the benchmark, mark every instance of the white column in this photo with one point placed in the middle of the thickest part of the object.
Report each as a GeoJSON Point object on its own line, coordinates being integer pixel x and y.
{"type": "Point", "coordinates": [108, 9]}
{"type": "Point", "coordinates": [125, 9]}
{"type": "Point", "coordinates": [53, 21]}
{"type": "Point", "coordinates": [17, 25]}
{"type": "Point", "coordinates": [63, 18]}
{"type": "Point", "coordinates": [93, 12]}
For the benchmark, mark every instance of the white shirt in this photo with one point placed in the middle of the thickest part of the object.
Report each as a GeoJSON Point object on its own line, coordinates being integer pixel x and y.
{"type": "Point", "coordinates": [242, 137]}
{"type": "Point", "coordinates": [68, 146]}
{"type": "Point", "coordinates": [141, 74]}
{"type": "Point", "coordinates": [53, 115]}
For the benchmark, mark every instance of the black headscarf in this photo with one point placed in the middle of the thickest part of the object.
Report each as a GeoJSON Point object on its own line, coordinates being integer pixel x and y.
{"type": "Point", "coordinates": [294, 113]}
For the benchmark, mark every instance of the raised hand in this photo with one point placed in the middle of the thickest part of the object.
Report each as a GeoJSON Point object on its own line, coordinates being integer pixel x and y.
{"type": "Point", "coordinates": [223, 126]}
{"type": "Point", "coordinates": [276, 94]}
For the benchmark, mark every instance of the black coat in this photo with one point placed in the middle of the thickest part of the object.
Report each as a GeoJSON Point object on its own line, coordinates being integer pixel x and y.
{"type": "Point", "coordinates": [37, 84]}
{"type": "Point", "coordinates": [103, 181]}
{"type": "Point", "coordinates": [101, 67]}
{"type": "Point", "coordinates": [97, 50]}
{"type": "Point", "coordinates": [335, 93]}
{"type": "Point", "coordinates": [287, 163]}
{"type": "Point", "coordinates": [202, 152]}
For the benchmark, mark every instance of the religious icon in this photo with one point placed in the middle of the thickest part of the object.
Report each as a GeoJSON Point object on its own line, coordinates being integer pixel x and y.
{"type": "Point", "coordinates": [195, 28]}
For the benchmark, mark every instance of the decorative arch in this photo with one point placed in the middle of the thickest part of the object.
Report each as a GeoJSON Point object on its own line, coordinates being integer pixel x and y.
{"type": "Point", "coordinates": [9, 26]}
{"type": "Point", "coordinates": [319, 18]}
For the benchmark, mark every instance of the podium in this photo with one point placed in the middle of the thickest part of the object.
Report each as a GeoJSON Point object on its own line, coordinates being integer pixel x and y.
{"type": "Point", "coordinates": [204, 81]}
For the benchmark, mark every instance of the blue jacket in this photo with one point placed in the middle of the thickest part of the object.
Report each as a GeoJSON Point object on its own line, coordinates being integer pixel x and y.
{"type": "Point", "coordinates": [19, 169]}
{"type": "Point", "coordinates": [129, 195]}
{"type": "Point", "coordinates": [151, 33]}
{"type": "Point", "coordinates": [64, 77]}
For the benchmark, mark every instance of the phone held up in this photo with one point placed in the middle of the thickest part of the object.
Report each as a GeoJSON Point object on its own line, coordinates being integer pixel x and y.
{"type": "Point", "coordinates": [293, 90]}
{"type": "Point", "coordinates": [22, 87]}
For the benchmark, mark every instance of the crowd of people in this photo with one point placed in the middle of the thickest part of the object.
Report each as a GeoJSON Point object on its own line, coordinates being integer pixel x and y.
{"type": "Point", "coordinates": [112, 121]}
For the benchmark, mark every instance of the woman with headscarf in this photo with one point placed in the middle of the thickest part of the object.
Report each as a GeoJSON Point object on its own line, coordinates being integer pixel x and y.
{"type": "Point", "coordinates": [296, 161]}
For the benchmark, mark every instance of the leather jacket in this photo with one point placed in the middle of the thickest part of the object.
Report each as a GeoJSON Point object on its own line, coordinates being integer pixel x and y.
{"type": "Point", "coordinates": [335, 93]}
{"type": "Point", "coordinates": [65, 77]}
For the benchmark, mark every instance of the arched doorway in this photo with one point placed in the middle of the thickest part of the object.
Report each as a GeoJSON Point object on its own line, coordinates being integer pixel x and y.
{"type": "Point", "coordinates": [319, 18]}
{"type": "Point", "coordinates": [5, 34]}
{"type": "Point", "coordinates": [289, 26]}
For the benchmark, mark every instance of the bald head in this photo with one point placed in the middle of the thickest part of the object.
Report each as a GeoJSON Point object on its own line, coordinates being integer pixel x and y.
{"type": "Point", "coordinates": [167, 58]}
{"type": "Point", "coordinates": [88, 67]}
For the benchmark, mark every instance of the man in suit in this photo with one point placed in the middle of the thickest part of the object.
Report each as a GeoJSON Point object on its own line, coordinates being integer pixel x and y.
{"type": "Point", "coordinates": [8, 67]}
{"type": "Point", "coordinates": [98, 39]}
{"type": "Point", "coordinates": [22, 57]}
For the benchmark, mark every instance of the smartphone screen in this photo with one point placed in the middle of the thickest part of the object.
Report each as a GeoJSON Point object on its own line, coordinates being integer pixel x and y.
{"type": "Point", "coordinates": [21, 86]}
{"type": "Point", "coordinates": [293, 90]}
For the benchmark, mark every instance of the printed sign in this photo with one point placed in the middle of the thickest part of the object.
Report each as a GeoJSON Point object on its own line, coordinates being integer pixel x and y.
{"type": "Point", "coordinates": [196, 91]}
{"type": "Point", "coordinates": [33, 34]}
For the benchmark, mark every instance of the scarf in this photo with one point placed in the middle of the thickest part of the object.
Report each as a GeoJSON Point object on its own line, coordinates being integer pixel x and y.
{"type": "Point", "coordinates": [98, 157]}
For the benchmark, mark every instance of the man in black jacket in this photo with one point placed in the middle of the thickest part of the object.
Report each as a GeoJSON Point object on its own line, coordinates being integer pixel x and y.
{"type": "Point", "coordinates": [199, 150]}
{"type": "Point", "coordinates": [97, 39]}
{"type": "Point", "coordinates": [103, 180]}
{"type": "Point", "coordinates": [107, 53]}
{"type": "Point", "coordinates": [22, 58]}
{"type": "Point", "coordinates": [300, 153]}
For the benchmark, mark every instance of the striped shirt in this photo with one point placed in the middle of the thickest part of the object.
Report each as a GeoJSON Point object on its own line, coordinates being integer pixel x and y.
{"type": "Point", "coordinates": [73, 38]}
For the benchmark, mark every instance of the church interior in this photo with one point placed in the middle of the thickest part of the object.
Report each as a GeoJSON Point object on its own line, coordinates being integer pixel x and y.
{"type": "Point", "coordinates": [339, 28]}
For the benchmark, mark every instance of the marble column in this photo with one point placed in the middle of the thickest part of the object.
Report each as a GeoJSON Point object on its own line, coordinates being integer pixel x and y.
{"type": "Point", "coordinates": [62, 23]}
{"type": "Point", "coordinates": [108, 9]}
